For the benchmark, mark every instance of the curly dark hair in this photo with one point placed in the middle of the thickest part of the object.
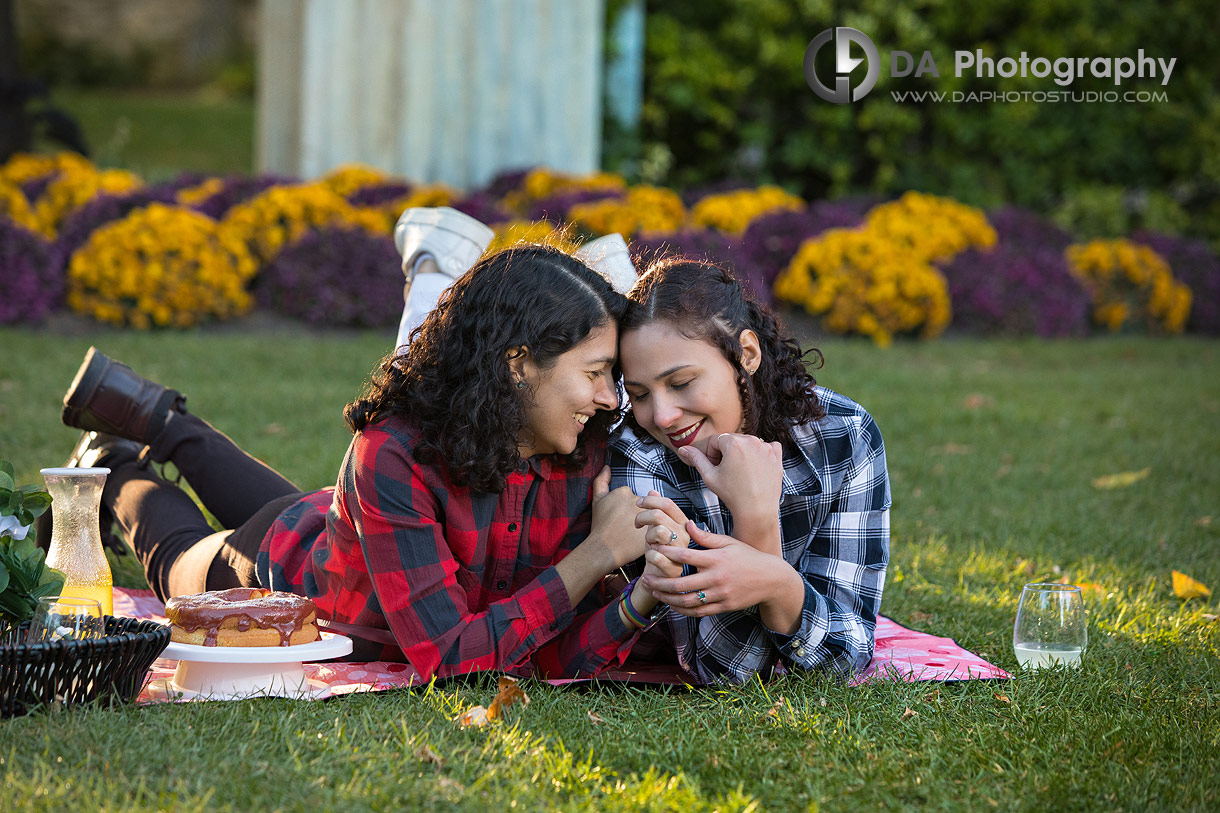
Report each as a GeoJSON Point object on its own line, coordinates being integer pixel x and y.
{"type": "Point", "coordinates": [702, 300]}
{"type": "Point", "coordinates": [453, 381]}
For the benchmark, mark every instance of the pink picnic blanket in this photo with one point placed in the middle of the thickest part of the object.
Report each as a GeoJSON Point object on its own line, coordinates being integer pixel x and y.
{"type": "Point", "coordinates": [899, 654]}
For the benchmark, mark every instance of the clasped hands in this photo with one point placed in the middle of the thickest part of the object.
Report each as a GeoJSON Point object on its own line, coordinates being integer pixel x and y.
{"type": "Point", "coordinates": [746, 473]}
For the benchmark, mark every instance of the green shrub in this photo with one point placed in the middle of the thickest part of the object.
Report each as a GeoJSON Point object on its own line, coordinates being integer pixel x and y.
{"type": "Point", "coordinates": [726, 96]}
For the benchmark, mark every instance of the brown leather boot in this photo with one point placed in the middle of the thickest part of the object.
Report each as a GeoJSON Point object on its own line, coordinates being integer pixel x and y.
{"type": "Point", "coordinates": [107, 396]}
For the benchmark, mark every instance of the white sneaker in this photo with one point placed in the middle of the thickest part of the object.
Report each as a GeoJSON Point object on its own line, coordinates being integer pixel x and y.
{"type": "Point", "coordinates": [609, 257]}
{"type": "Point", "coordinates": [455, 240]}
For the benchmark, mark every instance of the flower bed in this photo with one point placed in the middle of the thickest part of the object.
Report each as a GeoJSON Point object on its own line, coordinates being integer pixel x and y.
{"type": "Point", "coordinates": [198, 248]}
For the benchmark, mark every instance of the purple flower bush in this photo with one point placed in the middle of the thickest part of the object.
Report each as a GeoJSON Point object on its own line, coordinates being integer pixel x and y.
{"type": "Point", "coordinates": [555, 208]}
{"type": "Point", "coordinates": [695, 244]}
{"type": "Point", "coordinates": [335, 277]}
{"type": "Point", "coordinates": [506, 182]}
{"type": "Point", "coordinates": [1192, 262]}
{"type": "Point", "coordinates": [33, 188]}
{"type": "Point", "coordinates": [31, 286]}
{"type": "Point", "coordinates": [74, 232]}
{"type": "Point", "coordinates": [176, 184]}
{"type": "Point", "coordinates": [771, 241]}
{"type": "Point", "coordinates": [1022, 285]}
{"type": "Point", "coordinates": [377, 194]}
{"type": "Point", "coordinates": [483, 208]}
{"type": "Point", "coordinates": [238, 189]}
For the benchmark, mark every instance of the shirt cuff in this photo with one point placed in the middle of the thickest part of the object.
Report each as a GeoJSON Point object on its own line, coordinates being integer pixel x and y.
{"type": "Point", "coordinates": [800, 646]}
{"type": "Point", "coordinates": [546, 605]}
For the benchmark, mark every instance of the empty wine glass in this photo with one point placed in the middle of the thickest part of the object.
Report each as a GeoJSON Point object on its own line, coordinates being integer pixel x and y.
{"type": "Point", "coordinates": [1050, 628]}
{"type": "Point", "coordinates": [61, 618]}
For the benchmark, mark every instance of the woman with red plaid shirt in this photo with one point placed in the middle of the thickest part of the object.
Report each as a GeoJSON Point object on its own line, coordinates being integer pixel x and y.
{"type": "Point", "coordinates": [471, 517]}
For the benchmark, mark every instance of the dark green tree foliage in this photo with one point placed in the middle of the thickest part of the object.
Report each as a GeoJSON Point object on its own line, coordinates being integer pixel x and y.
{"type": "Point", "coordinates": [726, 96]}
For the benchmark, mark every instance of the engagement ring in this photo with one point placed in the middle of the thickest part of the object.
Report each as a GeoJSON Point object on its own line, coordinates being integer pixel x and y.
{"type": "Point", "coordinates": [702, 597]}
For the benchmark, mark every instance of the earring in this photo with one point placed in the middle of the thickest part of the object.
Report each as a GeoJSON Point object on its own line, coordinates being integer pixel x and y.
{"type": "Point", "coordinates": [520, 385]}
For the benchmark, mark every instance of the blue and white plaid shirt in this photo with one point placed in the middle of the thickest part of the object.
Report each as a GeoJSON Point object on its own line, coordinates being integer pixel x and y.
{"type": "Point", "coordinates": [835, 525]}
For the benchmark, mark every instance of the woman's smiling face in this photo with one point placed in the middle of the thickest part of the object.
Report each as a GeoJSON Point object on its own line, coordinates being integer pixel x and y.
{"type": "Point", "coordinates": [683, 391]}
{"type": "Point", "coordinates": [564, 396]}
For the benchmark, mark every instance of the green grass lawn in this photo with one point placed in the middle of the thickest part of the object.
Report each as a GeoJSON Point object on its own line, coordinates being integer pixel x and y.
{"type": "Point", "coordinates": [993, 447]}
{"type": "Point", "coordinates": [158, 135]}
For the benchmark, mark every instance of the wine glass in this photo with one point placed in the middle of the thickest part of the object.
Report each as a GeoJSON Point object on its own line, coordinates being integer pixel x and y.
{"type": "Point", "coordinates": [59, 618]}
{"type": "Point", "coordinates": [1050, 628]}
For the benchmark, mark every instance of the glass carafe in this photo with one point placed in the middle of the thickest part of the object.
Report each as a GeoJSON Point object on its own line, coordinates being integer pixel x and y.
{"type": "Point", "coordinates": [76, 537]}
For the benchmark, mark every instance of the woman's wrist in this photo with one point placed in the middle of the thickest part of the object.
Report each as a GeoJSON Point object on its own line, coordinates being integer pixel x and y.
{"type": "Point", "coordinates": [628, 611]}
{"type": "Point", "coordinates": [782, 611]}
{"type": "Point", "coordinates": [761, 532]}
{"type": "Point", "coordinates": [642, 600]}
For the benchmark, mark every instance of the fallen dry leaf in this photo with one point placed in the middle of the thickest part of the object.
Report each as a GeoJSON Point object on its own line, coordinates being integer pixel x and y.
{"type": "Point", "coordinates": [1120, 480]}
{"type": "Point", "coordinates": [509, 694]}
{"type": "Point", "coordinates": [595, 718]}
{"type": "Point", "coordinates": [777, 707]}
{"type": "Point", "coordinates": [977, 400]}
{"type": "Point", "coordinates": [1003, 698]}
{"type": "Point", "coordinates": [1211, 617]}
{"type": "Point", "coordinates": [1187, 588]}
{"type": "Point", "coordinates": [933, 697]}
{"type": "Point", "coordinates": [1091, 587]}
{"type": "Point", "coordinates": [951, 448]}
{"type": "Point", "coordinates": [476, 717]}
{"type": "Point", "coordinates": [917, 617]}
{"type": "Point", "coordinates": [908, 714]}
{"type": "Point", "coordinates": [1203, 522]}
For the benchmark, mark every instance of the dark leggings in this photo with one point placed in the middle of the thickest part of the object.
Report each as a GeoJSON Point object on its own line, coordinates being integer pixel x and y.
{"type": "Point", "coordinates": [179, 550]}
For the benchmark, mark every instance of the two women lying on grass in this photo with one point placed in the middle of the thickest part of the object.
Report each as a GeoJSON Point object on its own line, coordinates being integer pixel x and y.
{"type": "Point", "coordinates": [472, 523]}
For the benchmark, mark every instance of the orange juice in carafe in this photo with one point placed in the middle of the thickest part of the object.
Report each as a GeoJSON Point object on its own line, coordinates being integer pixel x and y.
{"type": "Point", "coordinates": [76, 539]}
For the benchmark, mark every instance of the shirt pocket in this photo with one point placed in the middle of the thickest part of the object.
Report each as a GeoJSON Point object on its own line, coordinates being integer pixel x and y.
{"type": "Point", "coordinates": [800, 516]}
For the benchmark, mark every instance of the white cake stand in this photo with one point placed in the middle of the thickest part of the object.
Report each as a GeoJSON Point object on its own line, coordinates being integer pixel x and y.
{"type": "Point", "coordinates": [235, 672]}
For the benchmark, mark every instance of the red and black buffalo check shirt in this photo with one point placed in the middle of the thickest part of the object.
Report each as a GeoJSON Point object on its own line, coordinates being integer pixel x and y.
{"type": "Point", "coordinates": [462, 580]}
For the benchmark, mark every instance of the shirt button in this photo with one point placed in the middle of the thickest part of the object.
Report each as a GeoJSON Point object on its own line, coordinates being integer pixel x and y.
{"type": "Point", "coordinates": [512, 526]}
{"type": "Point", "coordinates": [501, 585]}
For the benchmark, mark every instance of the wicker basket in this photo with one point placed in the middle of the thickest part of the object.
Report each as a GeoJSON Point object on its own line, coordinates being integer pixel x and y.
{"type": "Point", "coordinates": [70, 673]}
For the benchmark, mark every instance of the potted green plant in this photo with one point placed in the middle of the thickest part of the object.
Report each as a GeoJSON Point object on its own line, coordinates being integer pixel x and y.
{"type": "Point", "coordinates": [24, 575]}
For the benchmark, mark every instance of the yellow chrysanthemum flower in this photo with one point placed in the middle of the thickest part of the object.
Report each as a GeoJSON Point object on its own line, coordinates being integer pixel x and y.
{"type": "Point", "coordinates": [643, 210]}
{"type": "Point", "coordinates": [1130, 284]}
{"type": "Point", "coordinates": [543, 182]}
{"type": "Point", "coordinates": [733, 212]}
{"type": "Point", "coordinates": [931, 228]}
{"type": "Point", "coordinates": [282, 214]}
{"type": "Point", "coordinates": [349, 178]}
{"type": "Point", "coordinates": [14, 206]}
{"type": "Point", "coordinates": [860, 283]}
{"type": "Point", "coordinates": [163, 266]}
{"type": "Point", "coordinates": [515, 232]}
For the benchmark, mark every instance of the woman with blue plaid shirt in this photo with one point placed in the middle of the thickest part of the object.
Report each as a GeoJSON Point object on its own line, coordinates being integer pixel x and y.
{"type": "Point", "coordinates": [769, 493]}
